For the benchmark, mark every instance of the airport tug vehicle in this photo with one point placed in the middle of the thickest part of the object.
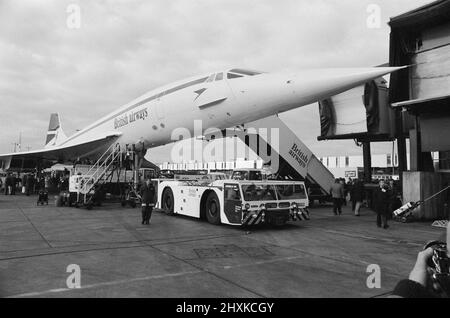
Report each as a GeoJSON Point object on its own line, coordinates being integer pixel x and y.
{"type": "Point", "coordinates": [235, 202]}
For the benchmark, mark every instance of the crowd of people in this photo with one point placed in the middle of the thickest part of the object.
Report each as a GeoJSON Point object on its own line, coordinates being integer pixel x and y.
{"type": "Point", "coordinates": [383, 199]}
{"type": "Point", "coordinates": [32, 183]}
{"type": "Point", "coordinates": [27, 184]}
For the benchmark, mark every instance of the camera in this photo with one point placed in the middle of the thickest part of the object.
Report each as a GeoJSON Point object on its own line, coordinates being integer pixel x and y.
{"type": "Point", "coordinates": [440, 268]}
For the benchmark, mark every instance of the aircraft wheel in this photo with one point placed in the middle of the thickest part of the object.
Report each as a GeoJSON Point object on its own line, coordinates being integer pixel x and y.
{"type": "Point", "coordinates": [213, 208]}
{"type": "Point", "coordinates": [168, 201]}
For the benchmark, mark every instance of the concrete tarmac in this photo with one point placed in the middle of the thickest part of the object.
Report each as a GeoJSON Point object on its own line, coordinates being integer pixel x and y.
{"type": "Point", "coordinates": [176, 256]}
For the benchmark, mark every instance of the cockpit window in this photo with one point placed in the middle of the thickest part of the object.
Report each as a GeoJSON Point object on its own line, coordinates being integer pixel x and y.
{"type": "Point", "coordinates": [231, 75]}
{"type": "Point", "coordinates": [219, 76]}
{"type": "Point", "coordinates": [244, 72]}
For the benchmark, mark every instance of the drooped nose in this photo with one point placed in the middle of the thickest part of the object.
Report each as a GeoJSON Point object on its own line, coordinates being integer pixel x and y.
{"type": "Point", "coordinates": [272, 93]}
{"type": "Point", "coordinates": [316, 84]}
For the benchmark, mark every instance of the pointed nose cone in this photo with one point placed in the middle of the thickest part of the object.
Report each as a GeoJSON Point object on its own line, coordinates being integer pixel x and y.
{"type": "Point", "coordinates": [354, 76]}
{"type": "Point", "coordinates": [324, 83]}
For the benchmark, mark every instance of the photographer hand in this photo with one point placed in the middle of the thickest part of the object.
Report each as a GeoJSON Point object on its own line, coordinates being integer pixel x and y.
{"type": "Point", "coordinates": [420, 272]}
{"type": "Point", "coordinates": [419, 283]}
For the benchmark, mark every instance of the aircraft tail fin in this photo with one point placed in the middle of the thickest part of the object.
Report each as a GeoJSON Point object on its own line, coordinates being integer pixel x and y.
{"type": "Point", "coordinates": [55, 134]}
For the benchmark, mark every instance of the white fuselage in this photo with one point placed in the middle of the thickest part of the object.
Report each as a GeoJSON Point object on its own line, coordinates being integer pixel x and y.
{"type": "Point", "coordinates": [220, 104]}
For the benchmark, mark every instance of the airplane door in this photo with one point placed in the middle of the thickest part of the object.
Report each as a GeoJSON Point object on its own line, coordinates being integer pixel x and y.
{"type": "Point", "coordinates": [232, 203]}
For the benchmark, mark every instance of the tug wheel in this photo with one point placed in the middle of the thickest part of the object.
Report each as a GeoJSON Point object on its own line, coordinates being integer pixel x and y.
{"type": "Point", "coordinates": [168, 201]}
{"type": "Point", "coordinates": [213, 209]}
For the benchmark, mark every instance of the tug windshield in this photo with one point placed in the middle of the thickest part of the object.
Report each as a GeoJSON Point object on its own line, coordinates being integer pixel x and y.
{"type": "Point", "coordinates": [273, 192]}
{"type": "Point", "coordinates": [259, 192]}
{"type": "Point", "coordinates": [290, 191]}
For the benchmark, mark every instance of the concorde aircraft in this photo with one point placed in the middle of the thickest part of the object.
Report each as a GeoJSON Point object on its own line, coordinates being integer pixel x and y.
{"type": "Point", "coordinates": [221, 100]}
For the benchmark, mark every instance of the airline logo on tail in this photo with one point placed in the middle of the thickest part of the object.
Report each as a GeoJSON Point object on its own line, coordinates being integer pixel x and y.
{"type": "Point", "coordinates": [55, 134]}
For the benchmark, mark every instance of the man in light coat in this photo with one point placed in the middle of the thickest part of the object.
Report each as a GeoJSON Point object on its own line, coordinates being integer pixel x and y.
{"type": "Point", "coordinates": [337, 193]}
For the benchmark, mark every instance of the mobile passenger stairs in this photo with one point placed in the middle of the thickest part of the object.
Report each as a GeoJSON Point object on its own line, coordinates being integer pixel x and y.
{"type": "Point", "coordinates": [285, 154]}
{"type": "Point", "coordinates": [89, 192]}
{"type": "Point", "coordinates": [87, 184]}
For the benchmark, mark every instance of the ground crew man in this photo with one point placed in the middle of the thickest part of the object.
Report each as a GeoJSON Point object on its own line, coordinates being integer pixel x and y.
{"type": "Point", "coordinates": [148, 200]}
{"type": "Point", "coordinates": [356, 196]}
{"type": "Point", "coordinates": [337, 193]}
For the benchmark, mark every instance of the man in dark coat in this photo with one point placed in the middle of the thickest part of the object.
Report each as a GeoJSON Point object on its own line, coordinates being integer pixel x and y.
{"type": "Point", "coordinates": [30, 184]}
{"type": "Point", "coordinates": [7, 184]}
{"type": "Point", "coordinates": [382, 198]}
{"type": "Point", "coordinates": [13, 184]}
{"type": "Point", "coordinates": [356, 196]}
{"type": "Point", "coordinates": [148, 200]}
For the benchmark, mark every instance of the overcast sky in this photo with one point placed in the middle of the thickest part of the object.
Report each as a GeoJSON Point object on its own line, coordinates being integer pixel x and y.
{"type": "Point", "coordinates": [125, 48]}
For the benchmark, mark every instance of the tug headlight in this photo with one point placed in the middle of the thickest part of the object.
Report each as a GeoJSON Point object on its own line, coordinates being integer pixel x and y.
{"type": "Point", "coordinates": [247, 206]}
{"type": "Point", "coordinates": [294, 205]}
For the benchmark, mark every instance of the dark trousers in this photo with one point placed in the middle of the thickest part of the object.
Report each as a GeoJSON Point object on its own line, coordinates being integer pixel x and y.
{"type": "Point", "coordinates": [381, 219]}
{"type": "Point", "coordinates": [337, 205]}
{"type": "Point", "coordinates": [146, 213]}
